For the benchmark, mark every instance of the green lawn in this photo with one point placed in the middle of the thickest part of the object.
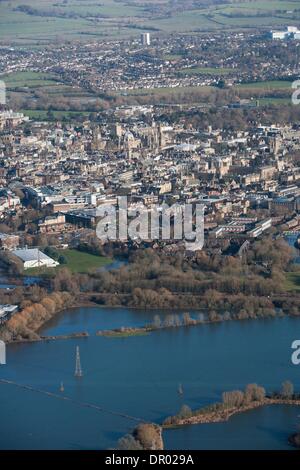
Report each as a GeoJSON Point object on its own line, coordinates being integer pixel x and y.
{"type": "Point", "coordinates": [28, 79]}
{"type": "Point", "coordinates": [77, 262]}
{"type": "Point", "coordinates": [166, 90]}
{"type": "Point", "coordinates": [268, 85]}
{"type": "Point", "coordinates": [80, 262]}
{"type": "Point", "coordinates": [264, 5]}
{"type": "Point", "coordinates": [274, 101]}
{"type": "Point", "coordinates": [172, 57]}
{"type": "Point", "coordinates": [292, 283]}
{"type": "Point", "coordinates": [42, 115]}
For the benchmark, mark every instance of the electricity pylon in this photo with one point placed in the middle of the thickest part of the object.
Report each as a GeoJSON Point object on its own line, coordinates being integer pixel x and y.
{"type": "Point", "coordinates": [78, 370]}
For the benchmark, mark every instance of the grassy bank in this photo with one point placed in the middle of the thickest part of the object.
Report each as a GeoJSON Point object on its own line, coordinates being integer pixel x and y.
{"type": "Point", "coordinates": [267, 85]}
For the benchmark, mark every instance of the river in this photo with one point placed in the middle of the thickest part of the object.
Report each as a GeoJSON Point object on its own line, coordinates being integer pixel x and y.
{"type": "Point", "coordinates": [139, 376]}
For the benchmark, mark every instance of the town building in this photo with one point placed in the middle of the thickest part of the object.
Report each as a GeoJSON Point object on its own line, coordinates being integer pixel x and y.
{"type": "Point", "coordinates": [145, 39]}
{"type": "Point", "coordinates": [6, 312]}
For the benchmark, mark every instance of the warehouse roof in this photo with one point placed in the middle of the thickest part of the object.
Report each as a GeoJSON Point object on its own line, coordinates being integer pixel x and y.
{"type": "Point", "coordinates": [31, 254]}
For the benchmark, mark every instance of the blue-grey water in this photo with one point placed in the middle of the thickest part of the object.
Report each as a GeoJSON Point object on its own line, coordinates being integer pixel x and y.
{"type": "Point", "coordinates": [292, 239]}
{"type": "Point", "coordinates": [115, 264]}
{"type": "Point", "coordinates": [5, 281]}
{"type": "Point", "coordinates": [139, 376]}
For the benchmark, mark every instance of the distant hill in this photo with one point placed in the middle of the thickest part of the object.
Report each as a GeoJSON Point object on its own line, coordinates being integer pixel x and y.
{"type": "Point", "coordinates": [30, 21]}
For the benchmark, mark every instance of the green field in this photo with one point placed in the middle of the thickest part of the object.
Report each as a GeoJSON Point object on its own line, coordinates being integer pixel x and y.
{"type": "Point", "coordinates": [28, 79]}
{"type": "Point", "coordinates": [77, 262]}
{"type": "Point", "coordinates": [167, 91]}
{"type": "Point", "coordinates": [46, 21]}
{"type": "Point", "coordinates": [50, 21]}
{"type": "Point", "coordinates": [268, 85]}
{"type": "Point", "coordinates": [171, 57]}
{"type": "Point", "coordinates": [43, 115]}
{"type": "Point", "coordinates": [22, 85]}
{"type": "Point", "coordinates": [275, 101]}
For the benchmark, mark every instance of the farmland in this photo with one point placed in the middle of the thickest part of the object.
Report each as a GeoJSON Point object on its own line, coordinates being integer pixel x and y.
{"type": "Point", "coordinates": [29, 80]}
{"type": "Point", "coordinates": [49, 21]}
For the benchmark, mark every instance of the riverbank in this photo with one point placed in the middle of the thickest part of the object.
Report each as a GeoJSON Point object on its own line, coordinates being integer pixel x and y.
{"type": "Point", "coordinates": [223, 415]}
{"type": "Point", "coordinates": [19, 331]}
{"type": "Point", "coordinates": [82, 334]}
{"type": "Point", "coordinates": [171, 321]}
{"type": "Point", "coordinates": [24, 325]}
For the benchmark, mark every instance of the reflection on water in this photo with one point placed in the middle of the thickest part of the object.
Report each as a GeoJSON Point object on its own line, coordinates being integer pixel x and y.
{"type": "Point", "coordinates": [116, 264]}
{"type": "Point", "coordinates": [292, 239]}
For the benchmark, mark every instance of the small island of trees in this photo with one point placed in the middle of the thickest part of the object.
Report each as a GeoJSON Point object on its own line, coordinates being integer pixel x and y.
{"type": "Point", "coordinates": [233, 402]}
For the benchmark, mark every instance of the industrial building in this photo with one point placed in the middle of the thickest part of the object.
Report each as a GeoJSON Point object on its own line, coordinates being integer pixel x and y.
{"type": "Point", "coordinates": [291, 32]}
{"type": "Point", "coordinates": [34, 258]}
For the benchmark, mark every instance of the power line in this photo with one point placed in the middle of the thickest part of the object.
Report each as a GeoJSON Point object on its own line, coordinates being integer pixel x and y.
{"type": "Point", "coordinates": [69, 399]}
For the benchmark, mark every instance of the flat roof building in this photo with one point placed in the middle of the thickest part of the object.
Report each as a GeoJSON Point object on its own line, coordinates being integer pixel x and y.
{"type": "Point", "coordinates": [34, 258]}
{"type": "Point", "coordinates": [291, 32]}
{"type": "Point", "coordinates": [6, 311]}
{"type": "Point", "coordinates": [145, 39]}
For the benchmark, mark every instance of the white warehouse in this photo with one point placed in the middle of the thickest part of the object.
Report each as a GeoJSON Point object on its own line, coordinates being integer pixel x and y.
{"type": "Point", "coordinates": [34, 258]}
{"type": "Point", "coordinates": [291, 32]}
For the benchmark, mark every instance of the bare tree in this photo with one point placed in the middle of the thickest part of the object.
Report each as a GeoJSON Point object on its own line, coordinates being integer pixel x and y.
{"type": "Point", "coordinates": [287, 390]}
{"type": "Point", "coordinates": [233, 399]}
{"type": "Point", "coordinates": [254, 392]}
